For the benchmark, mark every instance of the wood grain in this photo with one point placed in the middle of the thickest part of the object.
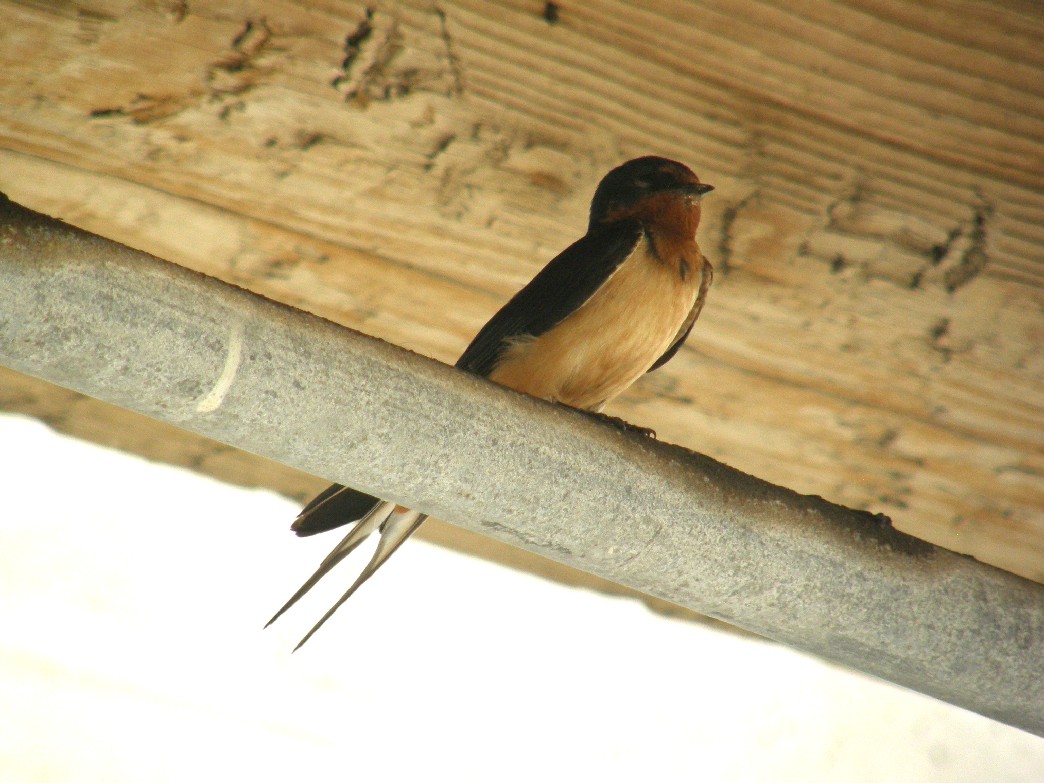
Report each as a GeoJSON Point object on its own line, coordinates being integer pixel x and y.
{"type": "Point", "coordinates": [874, 332]}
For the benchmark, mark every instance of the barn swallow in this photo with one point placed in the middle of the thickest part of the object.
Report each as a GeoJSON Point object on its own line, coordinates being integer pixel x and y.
{"type": "Point", "coordinates": [614, 305]}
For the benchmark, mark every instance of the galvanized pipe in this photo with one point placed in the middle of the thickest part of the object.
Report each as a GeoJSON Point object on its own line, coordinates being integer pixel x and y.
{"type": "Point", "coordinates": [120, 325]}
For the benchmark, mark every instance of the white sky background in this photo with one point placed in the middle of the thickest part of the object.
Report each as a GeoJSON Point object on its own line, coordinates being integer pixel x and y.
{"type": "Point", "coordinates": [132, 597]}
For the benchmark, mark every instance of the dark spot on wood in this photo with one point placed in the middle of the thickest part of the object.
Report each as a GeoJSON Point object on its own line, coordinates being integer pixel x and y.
{"type": "Point", "coordinates": [247, 44]}
{"type": "Point", "coordinates": [894, 501]}
{"type": "Point", "coordinates": [353, 43]}
{"type": "Point", "coordinates": [232, 64]}
{"type": "Point", "coordinates": [97, 16]}
{"type": "Point", "coordinates": [940, 251]}
{"type": "Point", "coordinates": [451, 55]}
{"type": "Point", "coordinates": [442, 145]}
{"type": "Point", "coordinates": [179, 10]}
{"type": "Point", "coordinates": [109, 112]}
{"type": "Point", "coordinates": [242, 36]}
{"type": "Point", "coordinates": [357, 37]}
{"type": "Point", "coordinates": [838, 263]}
{"type": "Point", "coordinates": [551, 12]}
{"type": "Point", "coordinates": [726, 237]}
{"type": "Point", "coordinates": [888, 437]}
{"type": "Point", "coordinates": [936, 337]}
{"type": "Point", "coordinates": [548, 181]}
{"type": "Point", "coordinates": [305, 141]}
{"type": "Point", "coordinates": [228, 108]}
{"type": "Point", "coordinates": [975, 259]}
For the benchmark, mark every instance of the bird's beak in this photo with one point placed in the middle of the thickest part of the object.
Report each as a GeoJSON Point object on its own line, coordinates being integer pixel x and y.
{"type": "Point", "coordinates": [698, 189]}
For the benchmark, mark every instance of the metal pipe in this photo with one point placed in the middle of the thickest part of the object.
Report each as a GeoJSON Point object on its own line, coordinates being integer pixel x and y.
{"type": "Point", "coordinates": [103, 319]}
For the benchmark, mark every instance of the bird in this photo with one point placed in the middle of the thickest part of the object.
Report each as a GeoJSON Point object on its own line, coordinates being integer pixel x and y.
{"type": "Point", "coordinates": [616, 304]}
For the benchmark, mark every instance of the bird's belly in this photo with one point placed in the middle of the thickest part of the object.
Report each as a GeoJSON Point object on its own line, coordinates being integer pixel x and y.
{"type": "Point", "coordinates": [609, 342]}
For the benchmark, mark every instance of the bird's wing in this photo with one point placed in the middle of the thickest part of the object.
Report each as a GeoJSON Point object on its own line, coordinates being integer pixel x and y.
{"type": "Point", "coordinates": [707, 272]}
{"type": "Point", "coordinates": [565, 284]}
{"type": "Point", "coordinates": [569, 280]}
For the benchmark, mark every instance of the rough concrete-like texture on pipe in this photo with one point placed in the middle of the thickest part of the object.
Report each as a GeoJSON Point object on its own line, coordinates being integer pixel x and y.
{"type": "Point", "coordinates": [105, 320]}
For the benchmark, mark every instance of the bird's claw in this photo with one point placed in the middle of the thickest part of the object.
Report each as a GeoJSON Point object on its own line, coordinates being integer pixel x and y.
{"type": "Point", "coordinates": [623, 426]}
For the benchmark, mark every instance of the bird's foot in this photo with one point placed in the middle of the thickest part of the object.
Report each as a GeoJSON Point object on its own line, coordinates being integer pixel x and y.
{"type": "Point", "coordinates": [623, 426]}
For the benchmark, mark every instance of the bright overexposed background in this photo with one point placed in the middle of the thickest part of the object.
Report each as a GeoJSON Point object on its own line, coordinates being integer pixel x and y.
{"type": "Point", "coordinates": [132, 597]}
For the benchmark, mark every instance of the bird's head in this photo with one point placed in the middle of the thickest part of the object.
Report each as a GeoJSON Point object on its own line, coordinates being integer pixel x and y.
{"type": "Point", "coordinates": [650, 189]}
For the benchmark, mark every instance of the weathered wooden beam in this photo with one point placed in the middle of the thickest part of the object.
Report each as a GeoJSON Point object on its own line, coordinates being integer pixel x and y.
{"type": "Point", "coordinates": [873, 334]}
{"type": "Point", "coordinates": [86, 313]}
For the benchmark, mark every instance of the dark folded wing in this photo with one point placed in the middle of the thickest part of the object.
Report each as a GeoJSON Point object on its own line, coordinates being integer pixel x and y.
{"type": "Point", "coordinates": [569, 280]}
{"type": "Point", "coordinates": [335, 506]}
{"type": "Point", "coordinates": [708, 274]}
